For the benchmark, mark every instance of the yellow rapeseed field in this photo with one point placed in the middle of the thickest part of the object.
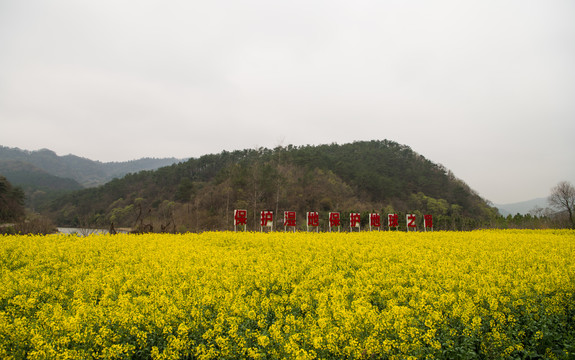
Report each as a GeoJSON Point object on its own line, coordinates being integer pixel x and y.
{"type": "Point", "coordinates": [221, 295]}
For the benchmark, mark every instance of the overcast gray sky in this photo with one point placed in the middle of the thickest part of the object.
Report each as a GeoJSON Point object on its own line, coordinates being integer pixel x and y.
{"type": "Point", "coordinates": [486, 88]}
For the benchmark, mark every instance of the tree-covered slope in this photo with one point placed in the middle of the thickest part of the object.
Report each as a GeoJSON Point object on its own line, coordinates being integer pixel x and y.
{"type": "Point", "coordinates": [390, 172]}
{"type": "Point", "coordinates": [201, 193]}
{"type": "Point", "coordinates": [11, 202]}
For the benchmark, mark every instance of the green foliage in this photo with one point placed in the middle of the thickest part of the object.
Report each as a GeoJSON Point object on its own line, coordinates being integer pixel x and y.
{"type": "Point", "coordinates": [528, 221]}
{"type": "Point", "coordinates": [11, 202]}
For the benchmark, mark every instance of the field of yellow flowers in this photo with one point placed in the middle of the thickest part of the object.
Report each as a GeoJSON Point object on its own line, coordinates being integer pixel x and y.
{"type": "Point", "coordinates": [487, 294]}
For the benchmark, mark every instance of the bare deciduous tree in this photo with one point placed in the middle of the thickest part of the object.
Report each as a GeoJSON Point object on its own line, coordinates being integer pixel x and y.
{"type": "Point", "coordinates": [563, 198]}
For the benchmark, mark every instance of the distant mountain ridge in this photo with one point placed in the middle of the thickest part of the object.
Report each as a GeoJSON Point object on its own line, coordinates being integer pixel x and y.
{"type": "Point", "coordinates": [24, 174]}
{"type": "Point", "coordinates": [88, 173]}
{"type": "Point", "coordinates": [37, 184]}
{"type": "Point", "coordinates": [522, 207]}
{"type": "Point", "coordinates": [43, 175]}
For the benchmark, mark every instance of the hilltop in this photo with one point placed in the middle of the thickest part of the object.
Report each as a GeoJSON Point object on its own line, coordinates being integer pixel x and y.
{"type": "Point", "coordinates": [201, 193]}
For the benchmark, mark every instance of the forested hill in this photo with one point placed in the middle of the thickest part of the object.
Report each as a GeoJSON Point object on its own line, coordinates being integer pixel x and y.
{"type": "Point", "coordinates": [201, 194]}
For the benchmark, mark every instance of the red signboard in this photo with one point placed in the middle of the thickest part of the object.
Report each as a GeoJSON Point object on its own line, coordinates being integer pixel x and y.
{"type": "Point", "coordinates": [289, 218]}
{"type": "Point", "coordinates": [312, 218]}
{"type": "Point", "coordinates": [374, 220]}
{"type": "Point", "coordinates": [240, 217]}
{"type": "Point", "coordinates": [427, 221]}
{"type": "Point", "coordinates": [354, 220]}
{"type": "Point", "coordinates": [393, 220]}
{"type": "Point", "coordinates": [410, 219]}
{"type": "Point", "coordinates": [334, 219]}
{"type": "Point", "coordinates": [267, 218]}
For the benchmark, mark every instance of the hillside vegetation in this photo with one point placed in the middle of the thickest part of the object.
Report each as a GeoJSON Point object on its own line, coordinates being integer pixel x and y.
{"type": "Point", "coordinates": [201, 194]}
{"type": "Point", "coordinates": [11, 202]}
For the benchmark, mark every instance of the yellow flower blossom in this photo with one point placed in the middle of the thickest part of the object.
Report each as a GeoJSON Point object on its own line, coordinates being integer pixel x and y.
{"type": "Point", "coordinates": [396, 295]}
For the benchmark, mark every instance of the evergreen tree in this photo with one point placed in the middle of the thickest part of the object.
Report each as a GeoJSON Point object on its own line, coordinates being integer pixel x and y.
{"type": "Point", "coordinates": [11, 202]}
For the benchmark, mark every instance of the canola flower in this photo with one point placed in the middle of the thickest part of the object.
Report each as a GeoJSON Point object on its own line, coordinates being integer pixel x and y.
{"type": "Point", "coordinates": [486, 294]}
